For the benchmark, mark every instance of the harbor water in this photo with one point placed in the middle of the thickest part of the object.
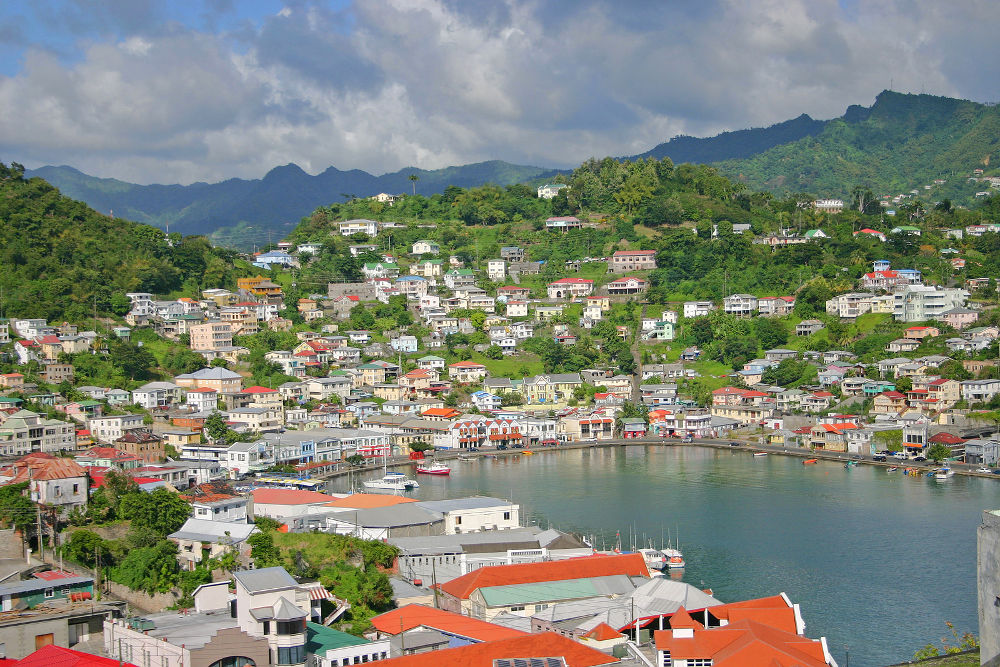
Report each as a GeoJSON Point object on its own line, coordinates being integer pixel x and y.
{"type": "Point", "coordinates": [878, 561]}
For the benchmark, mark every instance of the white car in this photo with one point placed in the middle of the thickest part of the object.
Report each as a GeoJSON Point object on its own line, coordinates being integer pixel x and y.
{"type": "Point", "coordinates": [985, 470]}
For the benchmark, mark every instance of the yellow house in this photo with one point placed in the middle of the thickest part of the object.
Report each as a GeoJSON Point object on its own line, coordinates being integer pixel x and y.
{"type": "Point", "coordinates": [552, 388]}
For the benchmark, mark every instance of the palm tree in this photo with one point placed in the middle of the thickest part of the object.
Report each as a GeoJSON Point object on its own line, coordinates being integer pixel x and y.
{"type": "Point", "coordinates": [413, 179]}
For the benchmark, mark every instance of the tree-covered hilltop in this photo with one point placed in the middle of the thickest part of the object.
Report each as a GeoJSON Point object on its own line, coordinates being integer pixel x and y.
{"type": "Point", "coordinates": [61, 259]}
{"type": "Point", "coordinates": [902, 142]}
{"type": "Point", "coordinates": [694, 218]}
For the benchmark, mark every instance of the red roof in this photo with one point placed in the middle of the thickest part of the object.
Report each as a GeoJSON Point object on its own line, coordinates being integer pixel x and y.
{"type": "Point", "coordinates": [560, 570]}
{"type": "Point", "coordinates": [52, 575]}
{"type": "Point", "coordinates": [259, 390]}
{"type": "Point", "coordinates": [945, 438]}
{"type": "Point", "coordinates": [572, 281]}
{"type": "Point", "coordinates": [416, 615]}
{"type": "Point", "coordinates": [466, 364]}
{"type": "Point", "coordinates": [603, 633]}
{"type": "Point", "coordinates": [51, 655]}
{"type": "Point", "coordinates": [539, 645]}
{"type": "Point", "coordinates": [289, 497]}
{"type": "Point", "coordinates": [743, 643]}
{"type": "Point", "coordinates": [730, 391]}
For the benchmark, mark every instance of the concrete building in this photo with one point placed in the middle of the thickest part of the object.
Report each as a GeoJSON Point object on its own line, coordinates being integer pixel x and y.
{"type": "Point", "coordinates": [919, 303]}
{"type": "Point", "coordinates": [25, 431]}
{"type": "Point", "coordinates": [211, 336]}
{"type": "Point", "coordinates": [988, 579]}
{"type": "Point", "coordinates": [624, 261]}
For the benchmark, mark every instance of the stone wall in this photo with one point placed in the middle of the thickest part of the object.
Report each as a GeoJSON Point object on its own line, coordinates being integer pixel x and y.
{"type": "Point", "coordinates": [138, 600]}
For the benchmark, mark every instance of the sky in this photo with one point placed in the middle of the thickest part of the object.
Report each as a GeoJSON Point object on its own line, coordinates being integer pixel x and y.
{"type": "Point", "coordinates": [153, 91]}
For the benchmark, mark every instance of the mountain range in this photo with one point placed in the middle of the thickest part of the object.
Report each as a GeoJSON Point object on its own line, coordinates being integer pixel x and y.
{"type": "Point", "coordinates": [899, 143]}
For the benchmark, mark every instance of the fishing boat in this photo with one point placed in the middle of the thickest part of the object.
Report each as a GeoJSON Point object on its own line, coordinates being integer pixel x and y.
{"type": "Point", "coordinates": [809, 462]}
{"type": "Point", "coordinates": [436, 468]}
{"type": "Point", "coordinates": [944, 473]}
{"type": "Point", "coordinates": [675, 559]}
{"type": "Point", "coordinates": [654, 559]}
{"type": "Point", "coordinates": [392, 481]}
{"type": "Point", "coordinates": [760, 453]}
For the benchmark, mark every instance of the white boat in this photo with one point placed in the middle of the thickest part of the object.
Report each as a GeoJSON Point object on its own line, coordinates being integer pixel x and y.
{"type": "Point", "coordinates": [675, 559]}
{"type": "Point", "coordinates": [944, 473]}
{"type": "Point", "coordinates": [760, 453]}
{"type": "Point", "coordinates": [654, 559]}
{"type": "Point", "coordinates": [392, 481]}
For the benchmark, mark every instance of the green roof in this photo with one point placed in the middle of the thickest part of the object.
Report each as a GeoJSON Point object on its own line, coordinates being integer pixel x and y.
{"type": "Point", "coordinates": [569, 589]}
{"type": "Point", "coordinates": [8, 399]}
{"type": "Point", "coordinates": [320, 639]}
{"type": "Point", "coordinates": [87, 404]}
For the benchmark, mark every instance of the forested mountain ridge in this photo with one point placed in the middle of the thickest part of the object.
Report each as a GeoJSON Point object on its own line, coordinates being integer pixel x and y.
{"type": "Point", "coordinates": [274, 202]}
{"type": "Point", "coordinates": [733, 145]}
{"type": "Point", "coordinates": [902, 142]}
{"type": "Point", "coordinates": [63, 260]}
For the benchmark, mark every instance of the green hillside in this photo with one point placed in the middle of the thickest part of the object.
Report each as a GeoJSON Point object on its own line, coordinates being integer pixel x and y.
{"type": "Point", "coordinates": [61, 259]}
{"type": "Point", "coordinates": [902, 142]}
{"type": "Point", "coordinates": [242, 212]}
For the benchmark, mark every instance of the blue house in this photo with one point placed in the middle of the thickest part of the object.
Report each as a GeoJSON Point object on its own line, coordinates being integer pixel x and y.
{"type": "Point", "coordinates": [273, 258]}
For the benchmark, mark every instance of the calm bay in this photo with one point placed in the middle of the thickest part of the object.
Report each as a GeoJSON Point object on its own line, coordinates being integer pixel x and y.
{"type": "Point", "coordinates": [878, 561]}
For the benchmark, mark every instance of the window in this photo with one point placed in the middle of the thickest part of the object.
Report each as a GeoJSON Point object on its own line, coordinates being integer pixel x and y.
{"type": "Point", "coordinates": [291, 655]}
{"type": "Point", "coordinates": [458, 521]}
{"type": "Point", "coordinates": [50, 592]}
{"type": "Point", "coordinates": [76, 489]}
{"type": "Point", "coordinates": [517, 608]}
{"type": "Point", "coordinates": [291, 627]}
{"type": "Point", "coordinates": [234, 661]}
{"type": "Point", "coordinates": [267, 627]}
{"type": "Point", "coordinates": [666, 662]}
{"type": "Point", "coordinates": [506, 516]}
{"type": "Point", "coordinates": [699, 662]}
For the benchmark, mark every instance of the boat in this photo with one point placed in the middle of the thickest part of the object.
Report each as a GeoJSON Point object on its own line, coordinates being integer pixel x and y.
{"type": "Point", "coordinates": [892, 469]}
{"type": "Point", "coordinates": [654, 559]}
{"type": "Point", "coordinates": [850, 464]}
{"type": "Point", "coordinates": [760, 453]}
{"type": "Point", "coordinates": [528, 452]}
{"type": "Point", "coordinates": [809, 462]}
{"type": "Point", "coordinates": [392, 481]}
{"type": "Point", "coordinates": [944, 473]}
{"type": "Point", "coordinates": [675, 559]}
{"type": "Point", "coordinates": [467, 458]}
{"type": "Point", "coordinates": [436, 468]}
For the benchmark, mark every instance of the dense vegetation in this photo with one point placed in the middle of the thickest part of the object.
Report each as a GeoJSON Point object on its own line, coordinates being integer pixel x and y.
{"type": "Point", "coordinates": [901, 143]}
{"type": "Point", "coordinates": [62, 260]}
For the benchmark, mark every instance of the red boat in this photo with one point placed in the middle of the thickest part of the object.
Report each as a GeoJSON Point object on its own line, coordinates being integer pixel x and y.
{"type": "Point", "coordinates": [433, 469]}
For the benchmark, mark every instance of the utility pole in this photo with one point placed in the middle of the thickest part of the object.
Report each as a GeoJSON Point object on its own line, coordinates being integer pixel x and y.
{"type": "Point", "coordinates": [434, 582]}
{"type": "Point", "coordinates": [38, 518]}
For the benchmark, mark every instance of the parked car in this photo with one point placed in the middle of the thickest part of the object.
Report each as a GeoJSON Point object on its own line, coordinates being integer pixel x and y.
{"type": "Point", "coordinates": [919, 458]}
{"type": "Point", "coordinates": [735, 444]}
{"type": "Point", "coordinates": [517, 445]}
{"type": "Point", "coordinates": [879, 457]}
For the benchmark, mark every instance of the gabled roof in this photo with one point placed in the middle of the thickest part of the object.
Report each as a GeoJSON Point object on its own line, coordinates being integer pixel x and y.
{"type": "Point", "coordinates": [484, 654]}
{"type": "Point", "coordinates": [525, 573]}
{"type": "Point", "coordinates": [745, 643]}
{"type": "Point", "coordinates": [369, 500]}
{"type": "Point", "coordinates": [413, 616]}
{"type": "Point", "coordinates": [603, 632]}
{"type": "Point", "coordinates": [265, 579]}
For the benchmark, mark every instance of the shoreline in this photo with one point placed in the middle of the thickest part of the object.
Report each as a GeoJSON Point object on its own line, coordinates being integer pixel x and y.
{"type": "Point", "coordinates": [713, 443]}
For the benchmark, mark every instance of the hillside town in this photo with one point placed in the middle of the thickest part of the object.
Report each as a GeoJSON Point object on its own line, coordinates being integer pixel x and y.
{"type": "Point", "coordinates": [229, 410]}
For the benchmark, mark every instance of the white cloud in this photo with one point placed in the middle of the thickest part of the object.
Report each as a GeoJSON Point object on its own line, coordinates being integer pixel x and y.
{"type": "Point", "coordinates": [391, 83]}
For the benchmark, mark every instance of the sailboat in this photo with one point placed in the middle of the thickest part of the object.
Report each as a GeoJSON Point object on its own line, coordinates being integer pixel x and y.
{"type": "Point", "coordinates": [675, 559]}
{"type": "Point", "coordinates": [391, 480]}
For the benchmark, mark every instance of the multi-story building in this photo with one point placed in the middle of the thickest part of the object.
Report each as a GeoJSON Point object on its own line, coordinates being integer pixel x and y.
{"type": "Point", "coordinates": [919, 303]}
{"type": "Point", "coordinates": [698, 308]}
{"type": "Point", "coordinates": [570, 287]}
{"type": "Point", "coordinates": [211, 336]}
{"type": "Point", "coordinates": [24, 432]}
{"type": "Point", "coordinates": [850, 306]}
{"type": "Point", "coordinates": [359, 226]}
{"type": "Point", "coordinates": [741, 305]}
{"type": "Point", "coordinates": [624, 261]}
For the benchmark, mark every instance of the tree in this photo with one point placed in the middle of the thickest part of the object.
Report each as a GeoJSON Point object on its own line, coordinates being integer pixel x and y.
{"type": "Point", "coordinates": [413, 180]}
{"type": "Point", "coordinates": [263, 551]}
{"type": "Point", "coordinates": [132, 360]}
{"type": "Point", "coordinates": [418, 446]}
{"type": "Point", "coordinates": [160, 511]}
{"type": "Point", "coordinates": [770, 332]}
{"type": "Point", "coordinates": [152, 569]}
{"type": "Point", "coordinates": [938, 452]}
{"type": "Point", "coordinates": [494, 352]}
{"type": "Point", "coordinates": [215, 426]}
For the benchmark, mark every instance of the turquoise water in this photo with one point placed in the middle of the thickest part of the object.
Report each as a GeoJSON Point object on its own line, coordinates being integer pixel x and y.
{"type": "Point", "coordinates": [878, 561]}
